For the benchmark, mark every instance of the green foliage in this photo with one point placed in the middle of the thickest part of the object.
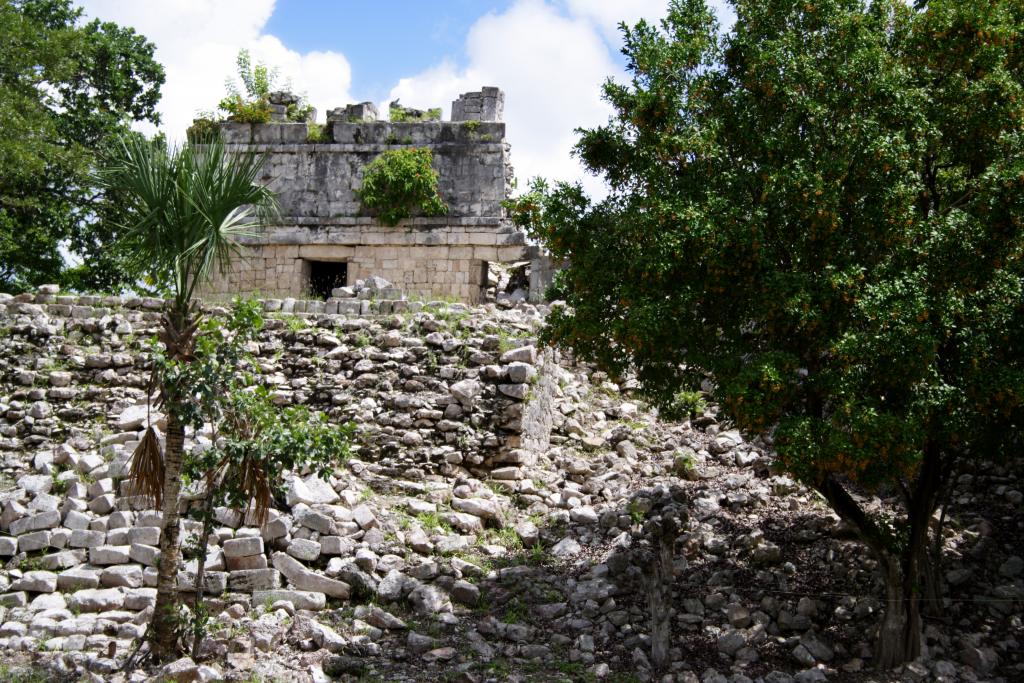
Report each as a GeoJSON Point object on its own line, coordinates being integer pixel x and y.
{"type": "Point", "coordinates": [683, 405]}
{"type": "Point", "coordinates": [245, 111]}
{"type": "Point", "coordinates": [31, 564]}
{"type": "Point", "coordinates": [60, 486]}
{"type": "Point", "coordinates": [515, 612]}
{"type": "Point", "coordinates": [432, 520]}
{"type": "Point", "coordinates": [295, 323]}
{"type": "Point", "coordinates": [257, 78]}
{"type": "Point", "coordinates": [201, 130]}
{"type": "Point", "coordinates": [68, 91]}
{"type": "Point", "coordinates": [258, 81]}
{"type": "Point", "coordinates": [400, 183]}
{"type": "Point", "coordinates": [316, 133]}
{"type": "Point", "coordinates": [399, 114]}
{"type": "Point", "coordinates": [254, 105]}
{"type": "Point", "coordinates": [187, 208]}
{"type": "Point", "coordinates": [299, 112]}
{"type": "Point", "coordinates": [823, 209]}
{"type": "Point", "coordinates": [21, 675]}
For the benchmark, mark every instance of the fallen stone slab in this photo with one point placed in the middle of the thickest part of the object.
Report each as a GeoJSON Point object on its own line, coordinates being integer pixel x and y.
{"type": "Point", "coordinates": [36, 582]}
{"type": "Point", "coordinates": [78, 578]}
{"type": "Point", "coordinates": [304, 549]}
{"type": "Point", "coordinates": [300, 599]}
{"type": "Point", "coordinates": [251, 580]}
{"type": "Point", "coordinates": [110, 554]}
{"type": "Point", "coordinates": [305, 579]}
{"type": "Point", "coordinates": [214, 582]}
{"type": "Point", "coordinates": [312, 491]}
{"type": "Point", "coordinates": [36, 540]}
{"type": "Point", "coordinates": [37, 522]}
{"type": "Point", "coordinates": [16, 599]}
{"type": "Point", "coordinates": [96, 600]}
{"type": "Point", "coordinates": [243, 547]}
{"type": "Point", "coordinates": [126, 576]}
{"type": "Point", "coordinates": [139, 598]}
{"type": "Point", "coordinates": [8, 546]}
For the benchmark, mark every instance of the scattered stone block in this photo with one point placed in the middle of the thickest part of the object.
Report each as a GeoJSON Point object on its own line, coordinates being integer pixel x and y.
{"type": "Point", "coordinates": [99, 600]}
{"type": "Point", "coordinates": [110, 554]}
{"type": "Point", "coordinates": [300, 599]}
{"type": "Point", "coordinates": [251, 580]}
{"type": "Point", "coordinates": [304, 549]}
{"type": "Point", "coordinates": [126, 576]}
{"type": "Point", "coordinates": [306, 579]}
{"type": "Point", "coordinates": [36, 582]}
{"type": "Point", "coordinates": [243, 547]}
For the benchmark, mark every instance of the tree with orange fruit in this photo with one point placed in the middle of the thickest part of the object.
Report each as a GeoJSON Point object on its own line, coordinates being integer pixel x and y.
{"type": "Point", "coordinates": [821, 210]}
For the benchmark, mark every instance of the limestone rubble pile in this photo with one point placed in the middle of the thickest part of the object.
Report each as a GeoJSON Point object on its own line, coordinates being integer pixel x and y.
{"type": "Point", "coordinates": [486, 522]}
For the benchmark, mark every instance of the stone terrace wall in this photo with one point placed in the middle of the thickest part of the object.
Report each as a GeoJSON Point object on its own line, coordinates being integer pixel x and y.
{"type": "Point", "coordinates": [441, 390]}
{"type": "Point", "coordinates": [321, 219]}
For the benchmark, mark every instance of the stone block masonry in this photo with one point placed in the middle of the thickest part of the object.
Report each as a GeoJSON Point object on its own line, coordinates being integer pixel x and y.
{"type": "Point", "coordinates": [322, 220]}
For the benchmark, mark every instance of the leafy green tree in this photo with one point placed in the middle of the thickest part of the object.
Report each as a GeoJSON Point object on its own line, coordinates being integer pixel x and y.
{"type": "Point", "coordinates": [821, 210]}
{"type": "Point", "coordinates": [66, 91]}
{"type": "Point", "coordinates": [188, 206]}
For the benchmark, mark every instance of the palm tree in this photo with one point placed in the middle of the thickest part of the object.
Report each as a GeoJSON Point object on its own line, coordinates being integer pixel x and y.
{"type": "Point", "coordinates": [190, 204]}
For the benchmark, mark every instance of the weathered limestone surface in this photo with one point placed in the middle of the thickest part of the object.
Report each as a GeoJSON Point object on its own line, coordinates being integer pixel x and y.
{"type": "Point", "coordinates": [322, 219]}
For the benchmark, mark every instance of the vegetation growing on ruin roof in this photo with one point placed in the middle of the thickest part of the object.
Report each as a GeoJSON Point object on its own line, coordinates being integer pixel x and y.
{"type": "Point", "coordinates": [399, 114]}
{"type": "Point", "coordinates": [251, 102]}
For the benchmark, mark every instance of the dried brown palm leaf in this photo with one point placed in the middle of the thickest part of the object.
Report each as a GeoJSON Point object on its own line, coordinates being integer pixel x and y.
{"type": "Point", "coordinates": [146, 476]}
{"type": "Point", "coordinates": [255, 486]}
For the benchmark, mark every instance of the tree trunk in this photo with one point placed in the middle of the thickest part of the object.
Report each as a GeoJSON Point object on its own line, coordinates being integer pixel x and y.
{"type": "Point", "coordinates": [164, 636]}
{"type": "Point", "coordinates": [930, 580]}
{"type": "Point", "coordinates": [198, 625]}
{"type": "Point", "coordinates": [899, 636]}
{"type": "Point", "coordinates": [659, 594]}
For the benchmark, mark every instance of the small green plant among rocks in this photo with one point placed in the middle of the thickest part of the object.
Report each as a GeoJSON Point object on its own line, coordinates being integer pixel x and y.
{"type": "Point", "coordinates": [684, 405]}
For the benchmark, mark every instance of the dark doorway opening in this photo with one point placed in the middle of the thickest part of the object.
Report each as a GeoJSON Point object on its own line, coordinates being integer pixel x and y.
{"type": "Point", "coordinates": [327, 275]}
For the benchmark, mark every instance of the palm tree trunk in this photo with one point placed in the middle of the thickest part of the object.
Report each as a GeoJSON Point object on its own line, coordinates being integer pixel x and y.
{"type": "Point", "coordinates": [198, 623]}
{"type": "Point", "coordinates": [164, 638]}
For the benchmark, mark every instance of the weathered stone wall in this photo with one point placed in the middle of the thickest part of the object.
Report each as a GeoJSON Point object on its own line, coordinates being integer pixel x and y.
{"type": "Point", "coordinates": [438, 390]}
{"type": "Point", "coordinates": [318, 181]}
{"type": "Point", "coordinates": [321, 218]}
{"type": "Point", "coordinates": [428, 260]}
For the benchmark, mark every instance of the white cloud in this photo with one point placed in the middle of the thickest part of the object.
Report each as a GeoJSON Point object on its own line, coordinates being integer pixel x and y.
{"type": "Point", "coordinates": [551, 67]}
{"type": "Point", "coordinates": [551, 58]}
{"type": "Point", "coordinates": [197, 42]}
{"type": "Point", "coordinates": [607, 14]}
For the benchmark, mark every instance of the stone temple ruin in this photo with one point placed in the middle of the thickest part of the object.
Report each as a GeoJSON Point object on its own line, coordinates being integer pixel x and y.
{"type": "Point", "coordinates": [323, 240]}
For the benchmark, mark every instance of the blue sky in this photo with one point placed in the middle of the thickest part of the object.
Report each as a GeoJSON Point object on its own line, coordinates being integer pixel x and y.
{"type": "Point", "coordinates": [549, 56]}
{"type": "Point", "coordinates": [386, 40]}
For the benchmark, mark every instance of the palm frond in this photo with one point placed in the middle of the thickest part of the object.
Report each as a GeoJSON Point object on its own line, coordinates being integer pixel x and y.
{"type": "Point", "coordinates": [146, 475]}
{"type": "Point", "coordinates": [191, 205]}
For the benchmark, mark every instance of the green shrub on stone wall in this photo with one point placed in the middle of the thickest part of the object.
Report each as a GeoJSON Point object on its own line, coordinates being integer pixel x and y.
{"type": "Point", "coordinates": [400, 183]}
